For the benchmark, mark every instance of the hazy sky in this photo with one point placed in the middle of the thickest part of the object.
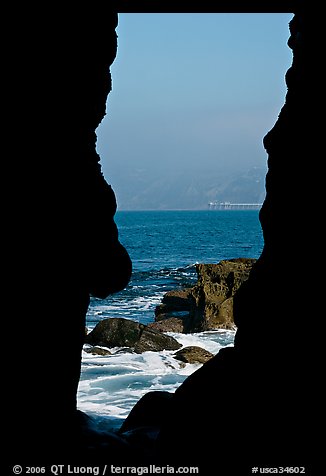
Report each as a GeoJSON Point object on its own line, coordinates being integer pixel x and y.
{"type": "Point", "coordinates": [193, 95]}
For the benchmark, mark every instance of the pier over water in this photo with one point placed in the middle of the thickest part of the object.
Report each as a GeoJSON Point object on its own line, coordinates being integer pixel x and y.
{"type": "Point", "coordinates": [233, 206]}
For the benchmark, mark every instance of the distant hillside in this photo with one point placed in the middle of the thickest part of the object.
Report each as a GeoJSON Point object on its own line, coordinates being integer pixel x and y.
{"type": "Point", "coordinates": [189, 191]}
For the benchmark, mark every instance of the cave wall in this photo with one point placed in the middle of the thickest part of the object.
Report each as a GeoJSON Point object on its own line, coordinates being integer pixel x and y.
{"type": "Point", "coordinates": [63, 239]}
{"type": "Point", "coordinates": [275, 287]}
{"type": "Point", "coordinates": [261, 394]}
{"type": "Point", "coordinates": [275, 310]}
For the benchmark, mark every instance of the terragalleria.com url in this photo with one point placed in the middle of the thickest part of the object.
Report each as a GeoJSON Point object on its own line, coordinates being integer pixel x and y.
{"type": "Point", "coordinates": [153, 469]}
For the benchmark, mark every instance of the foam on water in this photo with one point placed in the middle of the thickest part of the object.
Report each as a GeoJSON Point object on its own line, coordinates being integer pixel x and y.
{"type": "Point", "coordinates": [111, 385]}
{"type": "Point", "coordinates": [212, 341]}
{"type": "Point", "coordinates": [144, 292]}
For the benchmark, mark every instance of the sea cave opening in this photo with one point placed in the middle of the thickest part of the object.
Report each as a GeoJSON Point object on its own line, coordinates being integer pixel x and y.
{"type": "Point", "coordinates": [192, 97]}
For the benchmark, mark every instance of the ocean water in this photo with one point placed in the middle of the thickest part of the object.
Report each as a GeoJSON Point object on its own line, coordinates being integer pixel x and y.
{"type": "Point", "coordinates": [164, 247]}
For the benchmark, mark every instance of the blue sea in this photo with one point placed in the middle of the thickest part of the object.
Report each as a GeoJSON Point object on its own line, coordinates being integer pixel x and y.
{"type": "Point", "coordinates": [164, 247]}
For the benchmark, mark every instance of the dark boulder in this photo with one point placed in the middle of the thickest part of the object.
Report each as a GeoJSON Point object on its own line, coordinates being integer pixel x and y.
{"type": "Point", "coordinates": [120, 332]}
{"type": "Point", "coordinates": [114, 332]}
{"type": "Point", "coordinates": [155, 341]}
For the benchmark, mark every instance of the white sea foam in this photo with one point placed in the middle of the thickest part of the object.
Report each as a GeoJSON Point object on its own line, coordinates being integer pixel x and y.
{"type": "Point", "coordinates": [139, 304]}
{"type": "Point", "coordinates": [111, 385]}
{"type": "Point", "coordinates": [212, 341]}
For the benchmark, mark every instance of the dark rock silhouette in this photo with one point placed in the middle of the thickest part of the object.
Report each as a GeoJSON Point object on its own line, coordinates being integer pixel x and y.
{"type": "Point", "coordinates": [64, 243]}
{"type": "Point", "coordinates": [141, 427]}
{"type": "Point", "coordinates": [149, 412]}
{"type": "Point", "coordinates": [267, 378]}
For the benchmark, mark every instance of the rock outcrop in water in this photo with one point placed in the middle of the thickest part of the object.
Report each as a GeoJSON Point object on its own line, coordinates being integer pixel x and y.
{"type": "Point", "coordinates": [209, 304]}
{"type": "Point", "coordinates": [120, 332]}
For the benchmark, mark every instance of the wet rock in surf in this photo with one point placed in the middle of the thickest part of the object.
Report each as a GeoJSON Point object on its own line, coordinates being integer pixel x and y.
{"type": "Point", "coordinates": [193, 354]}
{"type": "Point", "coordinates": [114, 332]}
{"type": "Point", "coordinates": [172, 324]}
{"type": "Point", "coordinates": [209, 304]}
{"type": "Point", "coordinates": [155, 341]}
{"type": "Point", "coordinates": [95, 350]}
{"type": "Point", "coordinates": [120, 332]}
{"type": "Point", "coordinates": [175, 302]}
